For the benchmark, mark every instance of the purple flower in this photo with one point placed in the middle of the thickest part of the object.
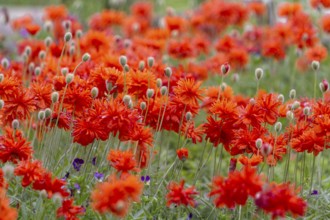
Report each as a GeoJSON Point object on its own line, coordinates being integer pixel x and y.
{"type": "Point", "coordinates": [77, 162]}
{"type": "Point", "coordinates": [190, 216]}
{"type": "Point", "coordinates": [66, 176]}
{"type": "Point", "coordinates": [315, 192]}
{"type": "Point", "coordinates": [145, 178]}
{"type": "Point", "coordinates": [94, 161]}
{"type": "Point", "coordinates": [76, 186]}
{"type": "Point", "coordinates": [98, 176]}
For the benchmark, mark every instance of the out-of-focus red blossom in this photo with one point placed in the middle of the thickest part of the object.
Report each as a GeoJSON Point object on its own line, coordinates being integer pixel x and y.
{"type": "Point", "coordinates": [50, 185]}
{"type": "Point", "coordinates": [116, 195]}
{"type": "Point", "coordinates": [122, 161]}
{"type": "Point", "coordinates": [189, 91]}
{"type": "Point", "coordinates": [280, 199]}
{"type": "Point", "coordinates": [258, 7]}
{"type": "Point", "coordinates": [30, 170]}
{"type": "Point", "coordinates": [268, 105]}
{"type": "Point", "coordinates": [178, 195]}
{"type": "Point", "coordinates": [316, 53]}
{"type": "Point", "coordinates": [255, 160]}
{"type": "Point", "coordinates": [235, 189]}
{"type": "Point", "coordinates": [69, 211]}
{"type": "Point", "coordinates": [7, 212]}
{"type": "Point", "coordinates": [325, 22]}
{"type": "Point", "coordinates": [289, 9]}
{"type": "Point", "coordinates": [319, 3]}
{"type": "Point", "coordinates": [182, 153]}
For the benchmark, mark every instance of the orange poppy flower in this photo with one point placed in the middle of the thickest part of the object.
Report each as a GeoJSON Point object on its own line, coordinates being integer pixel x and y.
{"type": "Point", "coordinates": [182, 153]}
{"type": "Point", "coordinates": [288, 9]}
{"type": "Point", "coordinates": [255, 160]}
{"type": "Point", "coordinates": [32, 29]}
{"type": "Point", "coordinates": [318, 53]}
{"type": "Point", "coordinates": [179, 195]}
{"type": "Point", "coordinates": [189, 91]}
{"type": "Point", "coordinates": [69, 211]}
{"type": "Point", "coordinates": [30, 170]}
{"type": "Point", "coordinates": [7, 212]}
{"type": "Point", "coordinates": [122, 161]}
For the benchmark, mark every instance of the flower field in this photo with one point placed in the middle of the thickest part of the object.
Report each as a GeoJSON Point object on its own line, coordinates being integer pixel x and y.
{"type": "Point", "coordinates": [219, 111]}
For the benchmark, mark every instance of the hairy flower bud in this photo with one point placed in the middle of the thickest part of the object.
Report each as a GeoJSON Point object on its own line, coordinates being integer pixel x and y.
{"type": "Point", "coordinates": [79, 34]}
{"type": "Point", "coordinates": [295, 105]}
{"type": "Point", "coordinates": [48, 112]}
{"type": "Point", "coordinates": [67, 36]}
{"type": "Point", "coordinates": [41, 115]}
{"type": "Point", "coordinates": [48, 41]}
{"type": "Point", "coordinates": [69, 78]}
{"type": "Point", "coordinates": [259, 73]}
{"type": "Point", "coordinates": [126, 68]}
{"type": "Point", "coordinates": [292, 94]}
{"type": "Point", "coordinates": [151, 61]}
{"type": "Point", "coordinates": [278, 127]}
{"type": "Point", "coordinates": [94, 92]}
{"type": "Point", "coordinates": [37, 71]}
{"type": "Point", "coordinates": [168, 72]}
{"type": "Point", "coordinates": [1, 77]}
{"type": "Point", "coordinates": [143, 106]}
{"type": "Point", "coordinates": [86, 57]}
{"type": "Point", "coordinates": [225, 68]}
{"type": "Point", "coordinates": [141, 65]}
{"type": "Point", "coordinates": [2, 104]}
{"type": "Point", "coordinates": [15, 124]}
{"type": "Point", "coordinates": [324, 86]}
{"type": "Point", "coordinates": [280, 98]}
{"type": "Point", "coordinates": [150, 93]}
{"type": "Point", "coordinates": [5, 63]}
{"type": "Point", "coordinates": [64, 71]}
{"type": "Point", "coordinates": [315, 65]}
{"type": "Point", "coordinates": [266, 149]}
{"type": "Point", "coordinates": [123, 60]}
{"type": "Point", "coordinates": [188, 116]}
{"type": "Point", "coordinates": [259, 143]}
{"type": "Point", "coordinates": [307, 111]}
{"type": "Point", "coordinates": [163, 90]}
{"type": "Point", "coordinates": [126, 99]}
{"type": "Point", "coordinates": [159, 82]}
{"type": "Point", "coordinates": [289, 115]}
{"type": "Point", "coordinates": [54, 97]}
{"type": "Point", "coordinates": [42, 55]}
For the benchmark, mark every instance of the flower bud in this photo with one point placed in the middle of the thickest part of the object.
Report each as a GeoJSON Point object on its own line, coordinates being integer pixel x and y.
{"type": "Point", "coordinates": [292, 94]}
{"type": "Point", "coordinates": [8, 171]}
{"type": "Point", "coordinates": [42, 55]}
{"type": "Point", "coordinates": [168, 72]}
{"type": "Point", "coordinates": [28, 50]}
{"type": "Point", "coordinates": [67, 36]}
{"type": "Point", "coordinates": [108, 85]}
{"type": "Point", "coordinates": [188, 116]}
{"type": "Point", "coordinates": [225, 68]}
{"type": "Point", "coordinates": [1, 77]}
{"type": "Point", "coordinates": [67, 25]}
{"type": "Point", "coordinates": [150, 93]}
{"type": "Point", "coordinates": [48, 26]}
{"type": "Point", "coordinates": [31, 67]}
{"type": "Point", "coordinates": [278, 127]}
{"type": "Point", "coordinates": [266, 149]}
{"type": "Point", "coordinates": [315, 65]}
{"type": "Point", "coordinates": [324, 86]}
{"type": "Point", "coordinates": [57, 198]}
{"type": "Point", "coordinates": [141, 65]}
{"type": "Point", "coordinates": [126, 99]}
{"type": "Point", "coordinates": [5, 63]}
{"type": "Point", "coordinates": [48, 112]}
{"type": "Point", "coordinates": [2, 104]}
{"type": "Point", "coordinates": [43, 194]}
{"type": "Point", "coordinates": [86, 57]}
{"type": "Point", "coordinates": [235, 77]}
{"type": "Point", "coordinates": [307, 111]}
{"type": "Point", "coordinates": [151, 62]}
{"type": "Point", "coordinates": [289, 115]}
{"type": "Point", "coordinates": [72, 50]}
{"type": "Point", "coordinates": [280, 98]}
{"type": "Point", "coordinates": [295, 105]}
{"type": "Point", "coordinates": [126, 68]}
{"type": "Point", "coordinates": [37, 71]}
{"type": "Point", "coordinates": [48, 41]}
{"type": "Point", "coordinates": [259, 143]}
{"type": "Point", "coordinates": [159, 82]}
{"type": "Point", "coordinates": [69, 78]}
{"type": "Point", "coordinates": [64, 71]}
{"type": "Point", "coordinates": [94, 92]}
{"type": "Point", "coordinates": [130, 104]}
{"type": "Point", "coordinates": [252, 101]}
{"type": "Point", "coordinates": [123, 60]}
{"type": "Point", "coordinates": [120, 206]}
{"type": "Point", "coordinates": [15, 124]}
{"type": "Point", "coordinates": [79, 34]}
{"type": "Point", "coordinates": [163, 90]}
{"type": "Point", "coordinates": [143, 106]}
{"type": "Point", "coordinates": [223, 86]}
{"type": "Point", "coordinates": [259, 73]}
{"type": "Point", "coordinates": [41, 115]}
{"type": "Point", "coordinates": [54, 97]}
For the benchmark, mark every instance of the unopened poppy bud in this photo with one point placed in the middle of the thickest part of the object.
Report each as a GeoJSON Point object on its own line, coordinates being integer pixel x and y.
{"type": "Point", "coordinates": [315, 65]}
{"type": "Point", "coordinates": [295, 105]}
{"type": "Point", "coordinates": [235, 77]}
{"type": "Point", "coordinates": [126, 99]}
{"type": "Point", "coordinates": [127, 43]}
{"type": "Point", "coordinates": [126, 68]}
{"type": "Point", "coordinates": [150, 93]}
{"type": "Point", "coordinates": [43, 194]}
{"type": "Point", "coordinates": [57, 198]}
{"type": "Point", "coordinates": [67, 36]}
{"type": "Point", "coordinates": [64, 71]}
{"type": "Point", "coordinates": [324, 86]}
{"type": "Point", "coordinates": [307, 111]}
{"type": "Point", "coordinates": [266, 149]}
{"type": "Point", "coordinates": [2, 104]}
{"type": "Point", "coordinates": [48, 26]}
{"type": "Point", "coordinates": [54, 97]}
{"type": "Point", "coordinates": [130, 104]}
{"type": "Point", "coordinates": [86, 57]}
{"type": "Point", "coordinates": [252, 101]}
{"type": "Point", "coordinates": [151, 61]}
{"type": "Point", "coordinates": [28, 50]}
{"type": "Point", "coordinates": [225, 68]}
{"type": "Point", "coordinates": [1, 77]}
{"type": "Point", "coordinates": [292, 94]}
{"type": "Point", "coordinates": [72, 50]}
{"type": "Point", "coordinates": [48, 41]}
{"type": "Point", "coordinates": [168, 72]}
{"type": "Point", "coordinates": [163, 90]}
{"type": "Point", "coordinates": [141, 65]}
{"type": "Point", "coordinates": [5, 63]}
{"type": "Point", "coordinates": [259, 143]}
{"type": "Point", "coordinates": [69, 78]}
{"type": "Point", "coordinates": [48, 112]}
{"type": "Point", "coordinates": [123, 60]}
{"type": "Point", "coordinates": [223, 86]}
{"type": "Point", "coordinates": [37, 71]}
{"type": "Point", "coordinates": [280, 98]}
{"type": "Point", "coordinates": [278, 127]}
{"type": "Point", "coordinates": [15, 124]}
{"type": "Point", "coordinates": [259, 73]}
{"type": "Point", "coordinates": [289, 115]}
{"type": "Point", "coordinates": [159, 82]}
{"type": "Point", "coordinates": [8, 171]}
{"type": "Point", "coordinates": [94, 92]}
{"type": "Point", "coordinates": [108, 85]}
{"type": "Point", "coordinates": [41, 115]}
{"type": "Point", "coordinates": [31, 67]}
{"type": "Point", "coordinates": [120, 206]}
{"type": "Point", "coordinates": [42, 55]}
{"type": "Point", "coordinates": [143, 106]}
{"type": "Point", "coordinates": [25, 58]}
{"type": "Point", "coordinates": [67, 25]}
{"type": "Point", "coordinates": [188, 116]}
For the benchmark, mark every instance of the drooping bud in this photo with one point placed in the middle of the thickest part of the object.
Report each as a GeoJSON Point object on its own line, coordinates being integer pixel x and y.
{"type": "Point", "coordinates": [15, 124]}
{"type": "Point", "coordinates": [324, 86]}
{"type": "Point", "coordinates": [225, 68]}
{"type": "Point", "coordinates": [42, 55]}
{"type": "Point", "coordinates": [292, 94]}
{"type": "Point", "coordinates": [126, 99]}
{"type": "Point", "coordinates": [123, 60]}
{"type": "Point", "coordinates": [150, 93]}
{"type": "Point", "coordinates": [67, 36]}
{"type": "Point", "coordinates": [28, 50]}
{"type": "Point", "coordinates": [48, 26]}
{"type": "Point", "coordinates": [266, 149]}
{"type": "Point", "coordinates": [94, 92]}
{"type": "Point", "coordinates": [67, 25]}
{"type": "Point", "coordinates": [72, 50]}
{"type": "Point", "coordinates": [31, 67]}
{"type": "Point", "coordinates": [280, 98]}
{"type": "Point", "coordinates": [315, 65]}
{"type": "Point", "coordinates": [307, 111]}
{"type": "Point", "coordinates": [108, 85]}
{"type": "Point", "coordinates": [79, 34]}
{"type": "Point", "coordinates": [126, 68]}
{"type": "Point", "coordinates": [54, 97]}
{"type": "Point", "coordinates": [188, 116]}
{"type": "Point", "coordinates": [223, 86]}
{"type": "Point", "coordinates": [289, 115]}
{"type": "Point", "coordinates": [168, 72]}
{"type": "Point", "coordinates": [259, 73]}
{"type": "Point", "coordinates": [86, 57]}
{"type": "Point", "coordinates": [64, 71]}
{"type": "Point", "coordinates": [48, 41]}
{"type": "Point", "coordinates": [69, 78]}
{"type": "Point", "coordinates": [151, 61]}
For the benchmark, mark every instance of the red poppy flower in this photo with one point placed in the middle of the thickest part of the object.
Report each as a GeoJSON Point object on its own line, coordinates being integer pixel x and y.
{"type": "Point", "coordinates": [30, 170]}
{"type": "Point", "coordinates": [122, 161]}
{"type": "Point", "coordinates": [69, 211]}
{"type": "Point", "coordinates": [182, 153]}
{"type": "Point", "coordinates": [179, 195]}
